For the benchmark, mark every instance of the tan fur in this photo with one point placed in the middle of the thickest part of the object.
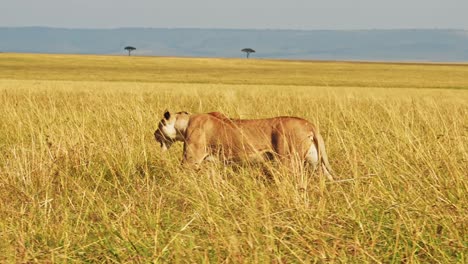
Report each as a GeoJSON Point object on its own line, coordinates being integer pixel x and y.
{"type": "Point", "coordinates": [289, 139]}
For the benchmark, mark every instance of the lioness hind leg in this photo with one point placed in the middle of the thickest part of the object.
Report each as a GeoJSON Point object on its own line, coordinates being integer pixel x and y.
{"type": "Point", "coordinates": [312, 158]}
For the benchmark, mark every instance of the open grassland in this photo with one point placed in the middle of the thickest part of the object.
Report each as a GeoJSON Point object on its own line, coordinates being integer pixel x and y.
{"type": "Point", "coordinates": [81, 178]}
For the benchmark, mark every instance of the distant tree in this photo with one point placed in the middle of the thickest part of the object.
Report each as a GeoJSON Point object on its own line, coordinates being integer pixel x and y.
{"type": "Point", "coordinates": [129, 49]}
{"type": "Point", "coordinates": [248, 51]}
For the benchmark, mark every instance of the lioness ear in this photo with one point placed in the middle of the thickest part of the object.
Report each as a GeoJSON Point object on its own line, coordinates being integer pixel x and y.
{"type": "Point", "coordinates": [167, 115]}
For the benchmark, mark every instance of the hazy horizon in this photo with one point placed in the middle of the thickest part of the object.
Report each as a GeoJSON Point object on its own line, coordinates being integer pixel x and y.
{"type": "Point", "coordinates": [381, 45]}
{"type": "Point", "coordinates": [225, 28]}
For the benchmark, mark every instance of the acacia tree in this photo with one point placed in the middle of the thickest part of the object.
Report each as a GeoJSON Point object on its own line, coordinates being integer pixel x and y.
{"type": "Point", "coordinates": [248, 51]}
{"type": "Point", "coordinates": [129, 49]}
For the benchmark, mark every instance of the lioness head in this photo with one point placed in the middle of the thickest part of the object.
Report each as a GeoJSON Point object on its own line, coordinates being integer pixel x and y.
{"type": "Point", "coordinates": [171, 128]}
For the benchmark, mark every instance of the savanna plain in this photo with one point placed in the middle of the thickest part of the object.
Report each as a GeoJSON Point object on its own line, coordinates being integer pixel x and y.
{"type": "Point", "coordinates": [83, 180]}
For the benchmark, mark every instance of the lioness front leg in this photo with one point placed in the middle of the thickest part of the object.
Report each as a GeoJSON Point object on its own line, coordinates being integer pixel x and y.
{"type": "Point", "coordinates": [195, 150]}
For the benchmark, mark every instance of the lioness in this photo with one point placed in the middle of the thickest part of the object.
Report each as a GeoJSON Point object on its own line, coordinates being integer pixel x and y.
{"type": "Point", "coordinates": [215, 135]}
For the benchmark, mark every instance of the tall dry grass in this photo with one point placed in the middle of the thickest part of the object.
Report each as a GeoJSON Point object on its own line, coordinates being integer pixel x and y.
{"type": "Point", "coordinates": [81, 178]}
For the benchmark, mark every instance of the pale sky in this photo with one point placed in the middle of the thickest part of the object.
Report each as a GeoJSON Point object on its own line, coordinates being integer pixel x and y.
{"type": "Point", "coordinates": [248, 14]}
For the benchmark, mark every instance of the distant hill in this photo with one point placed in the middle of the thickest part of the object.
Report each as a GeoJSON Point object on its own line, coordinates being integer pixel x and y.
{"type": "Point", "coordinates": [376, 45]}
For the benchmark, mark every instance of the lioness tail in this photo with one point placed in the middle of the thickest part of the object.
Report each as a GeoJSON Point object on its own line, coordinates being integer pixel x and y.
{"type": "Point", "coordinates": [322, 153]}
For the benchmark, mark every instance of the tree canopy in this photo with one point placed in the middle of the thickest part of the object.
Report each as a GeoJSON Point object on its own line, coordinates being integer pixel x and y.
{"type": "Point", "coordinates": [248, 51]}
{"type": "Point", "coordinates": [129, 49]}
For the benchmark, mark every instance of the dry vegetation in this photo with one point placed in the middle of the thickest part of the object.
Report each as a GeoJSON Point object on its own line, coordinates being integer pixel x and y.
{"type": "Point", "coordinates": [81, 178]}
